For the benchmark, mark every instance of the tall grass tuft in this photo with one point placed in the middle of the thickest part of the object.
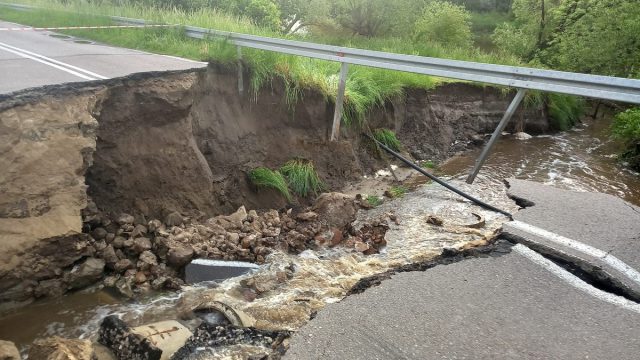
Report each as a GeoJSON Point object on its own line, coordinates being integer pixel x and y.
{"type": "Point", "coordinates": [263, 177]}
{"type": "Point", "coordinates": [388, 138]}
{"type": "Point", "coordinates": [565, 110]}
{"type": "Point", "coordinates": [302, 177]}
{"type": "Point", "coordinates": [626, 127]}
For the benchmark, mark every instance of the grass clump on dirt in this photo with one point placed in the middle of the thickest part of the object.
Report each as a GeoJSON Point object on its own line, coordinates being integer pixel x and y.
{"type": "Point", "coordinates": [388, 138]}
{"type": "Point", "coordinates": [302, 177]}
{"type": "Point", "coordinates": [263, 177]}
{"type": "Point", "coordinates": [374, 200]}
{"type": "Point", "coordinates": [428, 164]}
{"type": "Point", "coordinates": [398, 191]}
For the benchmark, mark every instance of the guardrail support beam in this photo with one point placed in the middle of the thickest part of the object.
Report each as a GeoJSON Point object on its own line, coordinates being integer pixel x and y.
{"type": "Point", "coordinates": [240, 71]}
{"type": "Point", "coordinates": [337, 115]}
{"type": "Point", "coordinates": [496, 134]}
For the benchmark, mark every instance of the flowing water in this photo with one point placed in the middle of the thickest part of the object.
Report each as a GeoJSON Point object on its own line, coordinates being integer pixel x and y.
{"type": "Point", "coordinates": [581, 159]}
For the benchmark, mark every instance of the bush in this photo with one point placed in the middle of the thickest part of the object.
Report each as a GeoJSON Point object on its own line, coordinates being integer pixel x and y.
{"type": "Point", "coordinates": [267, 178]}
{"type": "Point", "coordinates": [444, 23]}
{"type": "Point", "coordinates": [302, 177]}
{"type": "Point", "coordinates": [397, 191]}
{"type": "Point", "coordinates": [374, 200]}
{"type": "Point", "coordinates": [388, 138]}
{"type": "Point", "coordinates": [626, 127]}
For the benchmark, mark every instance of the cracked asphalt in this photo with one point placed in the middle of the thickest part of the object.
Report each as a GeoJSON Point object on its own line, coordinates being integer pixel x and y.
{"type": "Point", "coordinates": [506, 307]}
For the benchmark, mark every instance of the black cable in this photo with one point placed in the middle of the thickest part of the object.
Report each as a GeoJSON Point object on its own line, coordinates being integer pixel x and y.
{"type": "Point", "coordinates": [436, 179]}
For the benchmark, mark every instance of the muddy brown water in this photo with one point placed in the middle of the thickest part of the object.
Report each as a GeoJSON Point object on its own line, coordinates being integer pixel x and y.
{"type": "Point", "coordinates": [581, 159]}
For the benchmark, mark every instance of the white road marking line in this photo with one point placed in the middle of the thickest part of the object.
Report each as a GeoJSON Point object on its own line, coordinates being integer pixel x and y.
{"type": "Point", "coordinates": [82, 27]}
{"type": "Point", "coordinates": [53, 61]}
{"type": "Point", "coordinates": [609, 259]}
{"type": "Point", "coordinates": [574, 280]}
{"type": "Point", "coordinates": [46, 63]}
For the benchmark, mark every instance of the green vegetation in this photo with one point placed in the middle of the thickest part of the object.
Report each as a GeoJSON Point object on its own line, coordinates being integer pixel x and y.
{"type": "Point", "coordinates": [626, 127]}
{"type": "Point", "coordinates": [428, 164]}
{"type": "Point", "coordinates": [445, 23]}
{"type": "Point", "coordinates": [388, 138]}
{"type": "Point", "coordinates": [398, 191]}
{"type": "Point", "coordinates": [565, 111]}
{"type": "Point", "coordinates": [374, 200]}
{"type": "Point", "coordinates": [302, 177]}
{"type": "Point", "coordinates": [266, 178]}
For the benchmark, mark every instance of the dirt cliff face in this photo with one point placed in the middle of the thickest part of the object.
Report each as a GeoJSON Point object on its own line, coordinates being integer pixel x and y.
{"type": "Point", "coordinates": [181, 142]}
{"type": "Point", "coordinates": [45, 148]}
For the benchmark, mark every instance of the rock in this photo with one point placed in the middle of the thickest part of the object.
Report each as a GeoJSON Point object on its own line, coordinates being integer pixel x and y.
{"type": "Point", "coordinates": [108, 254]}
{"type": "Point", "coordinates": [154, 225]}
{"type": "Point", "coordinates": [337, 209]}
{"type": "Point", "coordinates": [99, 233]}
{"type": "Point", "coordinates": [109, 238]}
{"type": "Point", "coordinates": [110, 281]}
{"type": "Point", "coordinates": [57, 348]}
{"type": "Point", "coordinates": [138, 230]}
{"type": "Point", "coordinates": [361, 246]}
{"type": "Point", "coordinates": [233, 238]}
{"type": "Point", "coordinates": [434, 220]}
{"type": "Point", "coordinates": [522, 136]}
{"type": "Point", "coordinates": [128, 243]}
{"type": "Point", "coordinates": [140, 277]}
{"type": "Point", "coordinates": [125, 219]}
{"type": "Point", "coordinates": [141, 244]}
{"type": "Point", "coordinates": [174, 219]}
{"type": "Point", "coordinates": [179, 256]}
{"type": "Point", "coordinates": [123, 265]}
{"type": "Point", "coordinates": [85, 274]}
{"type": "Point", "coordinates": [307, 216]}
{"type": "Point", "coordinates": [337, 237]}
{"type": "Point", "coordinates": [123, 285]}
{"type": "Point", "coordinates": [118, 242]}
{"type": "Point", "coordinates": [8, 351]}
{"type": "Point", "coordinates": [49, 288]}
{"type": "Point", "coordinates": [149, 258]}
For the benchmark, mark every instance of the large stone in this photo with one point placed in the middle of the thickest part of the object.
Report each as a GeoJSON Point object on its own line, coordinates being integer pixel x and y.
{"type": "Point", "coordinates": [125, 219]}
{"type": "Point", "coordinates": [174, 219]}
{"type": "Point", "coordinates": [179, 256]}
{"type": "Point", "coordinates": [215, 270]}
{"type": "Point", "coordinates": [8, 351]}
{"type": "Point", "coordinates": [141, 244]}
{"type": "Point", "coordinates": [86, 273]}
{"type": "Point", "coordinates": [338, 210]}
{"type": "Point", "coordinates": [57, 348]}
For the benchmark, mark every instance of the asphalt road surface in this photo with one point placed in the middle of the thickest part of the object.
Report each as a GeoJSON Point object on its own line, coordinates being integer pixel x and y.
{"type": "Point", "coordinates": [36, 58]}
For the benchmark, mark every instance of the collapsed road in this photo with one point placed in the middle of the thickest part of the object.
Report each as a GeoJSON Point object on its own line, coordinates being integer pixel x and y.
{"type": "Point", "coordinates": [516, 305]}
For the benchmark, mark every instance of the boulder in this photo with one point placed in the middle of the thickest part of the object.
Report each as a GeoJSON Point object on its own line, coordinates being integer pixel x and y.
{"type": "Point", "coordinates": [125, 219]}
{"type": "Point", "coordinates": [336, 209]}
{"type": "Point", "coordinates": [8, 351]}
{"type": "Point", "coordinates": [108, 254]}
{"type": "Point", "coordinates": [85, 274]}
{"type": "Point", "coordinates": [122, 265]}
{"type": "Point", "coordinates": [57, 348]}
{"type": "Point", "coordinates": [307, 216]}
{"type": "Point", "coordinates": [50, 288]}
{"type": "Point", "coordinates": [179, 255]}
{"type": "Point", "coordinates": [522, 136]}
{"type": "Point", "coordinates": [174, 219]}
{"type": "Point", "coordinates": [141, 244]}
{"type": "Point", "coordinates": [148, 258]}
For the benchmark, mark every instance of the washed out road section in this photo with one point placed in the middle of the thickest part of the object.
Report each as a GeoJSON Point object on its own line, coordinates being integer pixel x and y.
{"type": "Point", "coordinates": [481, 308]}
{"type": "Point", "coordinates": [37, 58]}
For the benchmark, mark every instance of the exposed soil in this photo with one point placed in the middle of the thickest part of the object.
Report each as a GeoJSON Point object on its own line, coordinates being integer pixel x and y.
{"type": "Point", "coordinates": [179, 145]}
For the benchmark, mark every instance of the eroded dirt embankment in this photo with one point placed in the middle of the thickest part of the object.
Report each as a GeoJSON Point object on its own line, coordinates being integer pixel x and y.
{"type": "Point", "coordinates": [156, 144]}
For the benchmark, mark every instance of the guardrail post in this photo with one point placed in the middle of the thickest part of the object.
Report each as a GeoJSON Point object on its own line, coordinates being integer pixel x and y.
{"type": "Point", "coordinates": [496, 134]}
{"type": "Point", "coordinates": [337, 115]}
{"type": "Point", "coordinates": [240, 71]}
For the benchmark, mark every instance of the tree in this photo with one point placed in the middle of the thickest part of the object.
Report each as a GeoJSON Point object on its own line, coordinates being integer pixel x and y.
{"type": "Point", "coordinates": [262, 12]}
{"type": "Point", "coordinates": [444, 23]}
{"type": "Point", "coordinates": [296, 14]}
{"type": "Point", "coordinates": [365, 17]}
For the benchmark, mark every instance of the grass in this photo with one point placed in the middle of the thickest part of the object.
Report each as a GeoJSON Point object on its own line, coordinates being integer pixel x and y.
{"type": "Point", "coordinates": [398, 191]}
{"type": "Point", "coordinates": [366, 87]}
{"type": "Point", "coordinates": [565, 111]}
{"type": "Point", "coordinates": [374, 200]}
{"type": "Point", "coordinates": [428, 164]}
{"type": "Point", "coordinates": [388, 138]}
{"type": "Point", "coordinates": [263, 177]}
{"type": "Point", "coordinates": [302, 177]}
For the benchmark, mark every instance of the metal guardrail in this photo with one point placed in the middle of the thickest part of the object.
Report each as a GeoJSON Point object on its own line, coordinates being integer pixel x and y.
{"type": "Point", "coordinates": [522, 78]}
